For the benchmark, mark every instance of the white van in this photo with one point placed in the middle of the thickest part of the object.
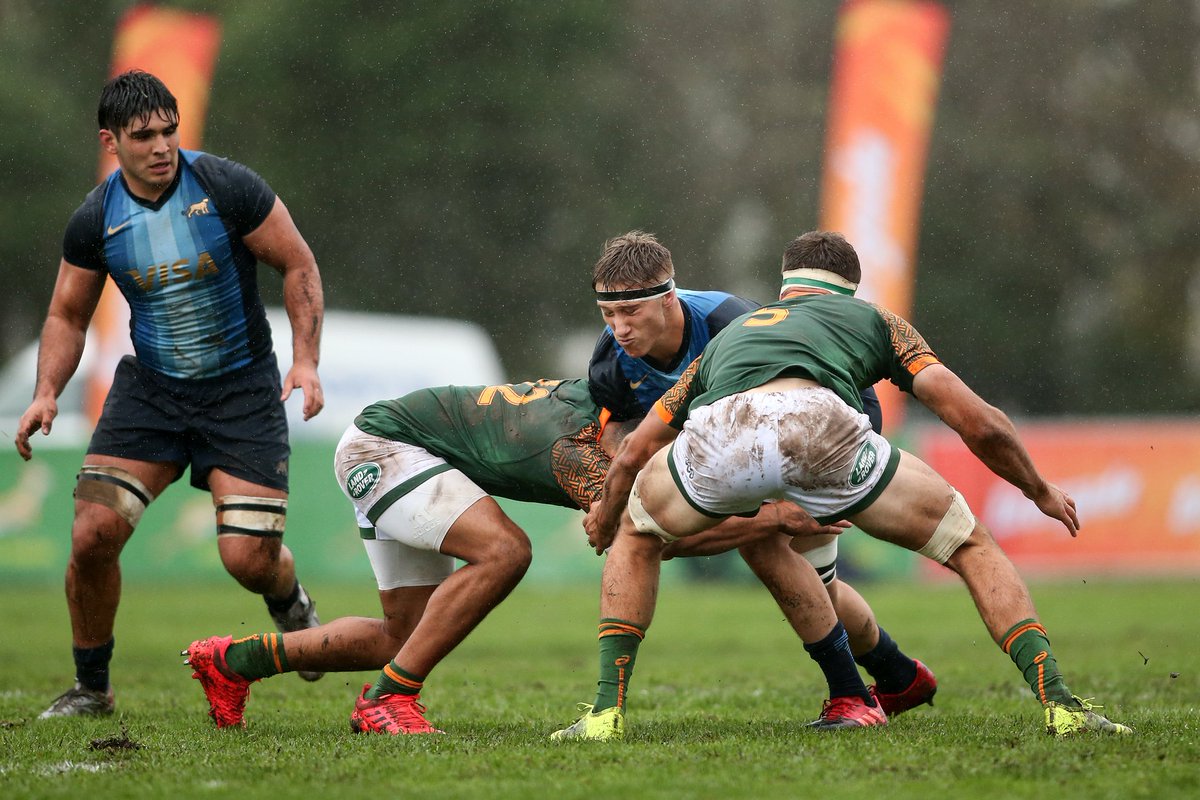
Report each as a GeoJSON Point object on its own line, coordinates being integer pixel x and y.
{"type": "Point", "coordinates": [364, 357]}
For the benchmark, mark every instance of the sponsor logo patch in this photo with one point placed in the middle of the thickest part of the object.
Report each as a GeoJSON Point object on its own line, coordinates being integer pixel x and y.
{"type": "Point", "coordinates": [362, 479]}
{"type": "Point", "coordinates": [864, 463]}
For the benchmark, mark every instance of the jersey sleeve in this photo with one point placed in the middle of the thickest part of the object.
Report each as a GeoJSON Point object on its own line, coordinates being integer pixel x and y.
{"type": "Point", "coordinates": [83, 240]}
{"type": "Point", "coordinates": [580, 464]}
{"type": "Point", "coordinates": [672, 407]}
{"type": "Point", "coordinates": [242, 196]}
{"type": "Point", "coordinates": [607, 382]}
{"type": "Point", "coordinates": [909, 351]}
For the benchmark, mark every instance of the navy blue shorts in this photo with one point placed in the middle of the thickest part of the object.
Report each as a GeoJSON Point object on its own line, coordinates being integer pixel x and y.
{"type": "Point", "coordinates": [235, 423]}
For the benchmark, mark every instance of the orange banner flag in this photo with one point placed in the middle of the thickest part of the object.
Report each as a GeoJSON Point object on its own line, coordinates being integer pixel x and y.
{"type": "Point", "coordinates": [180, 48]}
{"type": "Point", "coordinates": [886, 72]}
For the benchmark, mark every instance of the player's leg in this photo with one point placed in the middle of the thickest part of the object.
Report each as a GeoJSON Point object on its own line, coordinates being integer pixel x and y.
{"type": "Point", "coordinates": [133, 455]}
{"type": "Point", "coordinates": [238, 446]}
{"type": "Point", "coordinates": [629, 591]}
{"type": "Point", "coordinates": [901, 683]}
{"type": "Point", "coordinates": [250, 524]}
{"type": "Point", "coordinates": [919, 510]}
{"type": "Point", "coordinates": [110, 496]}
{"type": "Point", "coordinates": [226, 667]}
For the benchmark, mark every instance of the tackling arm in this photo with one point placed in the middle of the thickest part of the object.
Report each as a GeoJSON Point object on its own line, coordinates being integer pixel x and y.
{"type": "Point", "coordinates": [278, 242]}
{"type": "Point", "coordinates": [773, 518]}
{"type": "Point", "coordinates": [650, 436]}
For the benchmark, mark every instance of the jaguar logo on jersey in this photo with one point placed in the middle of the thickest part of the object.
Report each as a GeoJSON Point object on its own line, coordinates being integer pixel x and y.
{"type": "Point", "coordinates": [864, 463]}
{"type": "Point", "coordinates": [196, 209]}
{"type": "Point", "coordinates": [362, 479]}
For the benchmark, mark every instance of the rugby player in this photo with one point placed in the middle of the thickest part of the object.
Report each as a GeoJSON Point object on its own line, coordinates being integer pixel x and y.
{"type": "Point", "coordinates": [181, 234]}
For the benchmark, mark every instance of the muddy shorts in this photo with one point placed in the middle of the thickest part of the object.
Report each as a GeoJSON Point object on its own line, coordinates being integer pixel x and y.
{"type": "Point", "coordinates": [804, 445]}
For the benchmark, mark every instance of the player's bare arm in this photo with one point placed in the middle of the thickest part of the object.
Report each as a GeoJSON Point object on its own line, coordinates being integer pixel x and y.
{"type": "Point", "coordinates": [773, 519]}
{"type": "Point", "coordinates": [278, 242]}
{"type": "Point", "coordinates": [990, 435]}
{"type": "Point", "coordinates": [76, 293]}
{"type": "Point", "coordinates": [601, 522]}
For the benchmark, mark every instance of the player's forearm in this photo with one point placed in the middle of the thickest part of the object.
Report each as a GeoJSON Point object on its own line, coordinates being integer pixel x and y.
{"type": "Point", "coordinates": [730, 534]}
{"type": "Point", "coordinates": [996, 444]}
{"type": "Point", "coordinates": [59, 351]}
{"type": "Point", "coordinates": [304, 300]}
{"type": "Point", "coordinates": [617, 486]}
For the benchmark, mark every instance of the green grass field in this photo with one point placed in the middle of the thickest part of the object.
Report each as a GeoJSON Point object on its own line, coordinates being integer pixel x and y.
{"type": "Point", "coordinates": [717, 707]}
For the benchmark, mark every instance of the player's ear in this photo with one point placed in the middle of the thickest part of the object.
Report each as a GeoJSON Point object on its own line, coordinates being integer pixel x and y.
{"type": "Point", "coordinates": [108, 141]}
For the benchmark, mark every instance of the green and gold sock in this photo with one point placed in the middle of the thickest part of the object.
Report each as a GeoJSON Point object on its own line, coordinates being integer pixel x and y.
{"type": "Point", "coordinates": [1029, 648]}
{"type": "Point", "coordinates": [394, 680]}
{"type": "Point", "coordinates": [257, 656]}
{"type": "Point", "coordinates": [619, 641]}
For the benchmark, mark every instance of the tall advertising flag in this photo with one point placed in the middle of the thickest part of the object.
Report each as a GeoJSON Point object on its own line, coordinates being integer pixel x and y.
{"type": "Point", "coordinates": [181, 49]}
{"type": "Point", "coordinates": [886, 71]}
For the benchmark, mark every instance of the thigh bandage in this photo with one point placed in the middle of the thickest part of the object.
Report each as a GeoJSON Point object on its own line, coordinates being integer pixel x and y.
{"type": "Point", "coordinates": [954, 529]}
{"type": "Point", "coordinates": [114, 488]}
{"type": "Point", "coordinates": [824, 561]}
{"type": "Point", "coordinates": [642, 521]}
{"type": "Point", "coordinates": [242, 515]}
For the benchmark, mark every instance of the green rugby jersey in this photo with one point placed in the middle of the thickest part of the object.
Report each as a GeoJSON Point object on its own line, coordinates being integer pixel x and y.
{"type": "Point", "coordinates": [538, 442]}
{"type": "Point", "coordinates": [842, 343]}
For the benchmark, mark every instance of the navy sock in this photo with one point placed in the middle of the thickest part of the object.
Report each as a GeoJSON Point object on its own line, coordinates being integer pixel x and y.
{"type": "Point", "coordinates": [833, 656]}
{"type": "Point", "coordinates": [892, 670]}
{"type": "Point", "coordinates": [91, 665]}
{"type": "Point", "coordinates": [279, 606]}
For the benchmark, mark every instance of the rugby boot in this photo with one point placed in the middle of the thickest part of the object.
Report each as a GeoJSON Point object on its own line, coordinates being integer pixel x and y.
{"type": "Point", "coordinates": [79, 701]}
{"type": "Point", "coordinates": [608, 724]}
{"type": "Point", "coordinates": [921, 690]}
{"type": "Point", "coordinates": [848, 712]}
{"type": "Point", "coordinates": [1063, 720]}
{"type": "Point", "coordinates": [226, 691]}
{"type": "Point", "coordinates": [396, 714]}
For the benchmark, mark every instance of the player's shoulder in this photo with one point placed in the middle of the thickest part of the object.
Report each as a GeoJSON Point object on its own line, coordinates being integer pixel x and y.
{"type": "Point", "coordinates": [91, 209]}
{"type": "Point", "coordinates": [709, 301]}
{"type": "Point", "coordinates": [216, 170]}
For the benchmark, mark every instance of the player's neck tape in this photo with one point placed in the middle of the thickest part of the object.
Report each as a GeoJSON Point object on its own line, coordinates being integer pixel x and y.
{"type": "Point", "coordinates": [647, 293]}
{"type": "Point", "coordinates": [817, 279]}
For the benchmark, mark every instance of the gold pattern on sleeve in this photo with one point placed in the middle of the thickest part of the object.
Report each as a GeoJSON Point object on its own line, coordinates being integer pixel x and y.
{"type": "Point", "coordinates": [674, 398]}
{"type": "Point", "coordinates": [579, 464]}
{"type": "Point", "coordinates": [909, 346]}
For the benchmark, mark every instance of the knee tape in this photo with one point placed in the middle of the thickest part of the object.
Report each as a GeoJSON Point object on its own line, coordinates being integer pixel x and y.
{"type": "Point", "coordinates": [954, 529]}
{"type": "Point", "coordinates": [824, 561]}
{"type": "Point", "coordinates": [114, 488]}
{"type": "Point", "coordinates": [642, 520]}
{"type": "Point", "coordinates": [243, 515]}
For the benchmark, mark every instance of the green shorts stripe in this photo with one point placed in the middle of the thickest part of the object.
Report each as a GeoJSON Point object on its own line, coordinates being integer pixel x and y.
{"type": "Point", "coordinates": [889, 472]}
{"type": "Point", "coordinates": [683, 491]}
{"type": "Point", "coordinates": [396, 492]}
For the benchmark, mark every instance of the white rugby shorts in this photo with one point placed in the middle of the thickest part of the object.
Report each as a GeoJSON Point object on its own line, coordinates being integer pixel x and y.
{"type": "Point", "coordinates": [405, 499]}
{"type": "Point", "coordinates": [805, 445]}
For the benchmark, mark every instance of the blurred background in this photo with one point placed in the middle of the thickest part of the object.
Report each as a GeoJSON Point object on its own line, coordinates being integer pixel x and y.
{"type": "Point", "coordinates": [468, 160]}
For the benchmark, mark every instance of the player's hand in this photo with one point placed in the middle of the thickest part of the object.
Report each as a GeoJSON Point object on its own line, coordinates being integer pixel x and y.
{"type": "Point", "coordinates": [599, 539]}
{"type": "Point", "coordinates": [795, 521]}
{"type": "Point", "coordinates": [305, 378]}
{"type": "Point", "coordinates": [1057, 504]}
{"type": "Point", "coordinates": [40, 414]}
